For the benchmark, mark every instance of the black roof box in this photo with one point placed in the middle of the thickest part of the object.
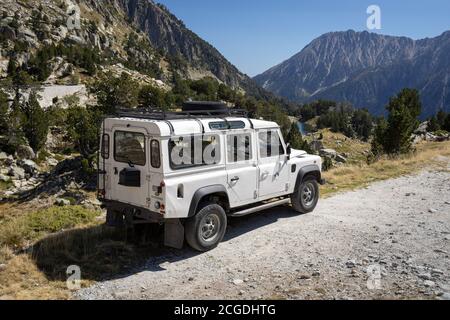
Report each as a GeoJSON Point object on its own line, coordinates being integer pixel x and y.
{"type": "Point", "coordinates": [215, 107]}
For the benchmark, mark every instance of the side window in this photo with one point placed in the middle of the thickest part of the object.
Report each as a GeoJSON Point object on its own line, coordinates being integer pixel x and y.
{"type": "Point", "coordinates": [193, 151]}
{"type": "Point", "coordinates": [129, 147]}
{"type": "Point", "coordinates": [239, 147]}
{"type": "Point", "coordinates": [105, 146]}
{"type": "Point", "coordinates": [270, 144]}
{"type": "Point", "coordinates": [155, 155]}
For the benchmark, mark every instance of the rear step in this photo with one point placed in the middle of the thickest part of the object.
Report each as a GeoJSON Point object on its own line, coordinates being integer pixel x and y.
{"type": "Point", "coordinates": [260, 208]}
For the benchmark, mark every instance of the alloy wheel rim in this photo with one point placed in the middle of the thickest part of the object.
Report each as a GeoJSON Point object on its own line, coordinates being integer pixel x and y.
{"type": "Point", "coordinates": [308, 194]}
{"type": "Point", "coordinates": [209, 227]}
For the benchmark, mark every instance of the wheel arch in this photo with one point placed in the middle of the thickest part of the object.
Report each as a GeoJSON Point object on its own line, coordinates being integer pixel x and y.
{"type": "Point", "coordinates": [208, 192]}
{"type": "Point", "coordinates": [309, 170]}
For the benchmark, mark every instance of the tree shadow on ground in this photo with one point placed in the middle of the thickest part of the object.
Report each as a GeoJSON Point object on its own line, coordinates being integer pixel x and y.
{"type": "Point", "coordinates": [105, 253]}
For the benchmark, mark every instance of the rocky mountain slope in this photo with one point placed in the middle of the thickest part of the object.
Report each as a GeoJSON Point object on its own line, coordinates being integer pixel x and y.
{"type": "Point", "coordinates": [365, 69]}
{"type": "Point", "coordinates": [139, 34]}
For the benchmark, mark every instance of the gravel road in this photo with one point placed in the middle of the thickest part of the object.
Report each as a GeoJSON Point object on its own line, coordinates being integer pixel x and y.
{"type": "Point", "coordinates": [390, 240]}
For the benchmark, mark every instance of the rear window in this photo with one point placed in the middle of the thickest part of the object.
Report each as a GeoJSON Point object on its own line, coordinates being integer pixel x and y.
{"type": "Point", "coordinates": [129, 147]}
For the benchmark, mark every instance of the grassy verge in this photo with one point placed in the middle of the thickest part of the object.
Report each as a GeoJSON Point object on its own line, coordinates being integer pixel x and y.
{"type": "Point", "coordinates": [352, 176]}
{"type": "Point", "coordinates": [37, 247]}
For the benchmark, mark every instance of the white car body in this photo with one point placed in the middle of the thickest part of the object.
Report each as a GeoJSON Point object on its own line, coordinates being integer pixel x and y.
{"type": "Point", "coordinates": [166, 193]}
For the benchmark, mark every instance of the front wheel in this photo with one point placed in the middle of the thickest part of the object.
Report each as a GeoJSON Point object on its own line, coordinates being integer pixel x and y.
{"type": "Point", "coordinates": [206, 229]}
{"type": "Point", "coordinates": [304, 199]}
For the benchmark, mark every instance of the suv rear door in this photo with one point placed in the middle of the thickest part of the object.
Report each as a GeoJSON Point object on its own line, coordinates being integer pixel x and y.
{"type": "Point", "coordinates": [130, 165]}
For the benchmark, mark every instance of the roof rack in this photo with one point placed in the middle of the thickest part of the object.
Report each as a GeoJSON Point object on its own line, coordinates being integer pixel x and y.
{"type": "Point", "coordinates": [158, 114]}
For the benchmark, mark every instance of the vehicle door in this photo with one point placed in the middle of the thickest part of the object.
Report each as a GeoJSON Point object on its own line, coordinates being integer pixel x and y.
{"type": "Point", "coordinates": [130, 165]}
{"type": "Point", "coordinates": [241, 167]}
{"type": "Point", "coordinates": [273, 177]}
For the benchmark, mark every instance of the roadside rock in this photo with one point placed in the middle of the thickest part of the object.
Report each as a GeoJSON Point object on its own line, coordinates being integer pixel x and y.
{"type": "Point", "coordinates": [429, 283]}
{"type": "Point", "coordinates": [316, 145]}
{"type": "Point", "coordinates": [340, 158]}
{"type": "Point", "coordinates": [3, 156]}
{"type": "Point", "coordinates": [62, 202]}
{"type": "Point", "coordinates": [25, 152]}
{"type": "Point", "coordinates": [29, 166]}
{"type": "Point", "coordinates": [16, 173]}
{"type": "Point", "coordinates": [330, 153]}
{"type": "Point", "coordinates": [350, 263]}
{"type": "Point", "coordinates": [4, 178]}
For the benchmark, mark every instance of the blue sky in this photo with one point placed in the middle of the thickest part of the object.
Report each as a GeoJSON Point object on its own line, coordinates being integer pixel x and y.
{"type": "Point", "coordinates": [258, 34]}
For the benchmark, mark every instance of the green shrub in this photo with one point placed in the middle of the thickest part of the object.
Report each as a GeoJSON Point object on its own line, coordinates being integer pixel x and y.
{"type": "Point", "coordinates": [327, 164]}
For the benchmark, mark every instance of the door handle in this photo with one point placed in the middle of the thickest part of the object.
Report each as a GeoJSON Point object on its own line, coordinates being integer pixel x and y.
{"type": "Point", "coordinates": [264, 175]}
{"type": "Point", "coordinates": [234, 179]}
{"type": "Point", "coordinates": [116, 171]}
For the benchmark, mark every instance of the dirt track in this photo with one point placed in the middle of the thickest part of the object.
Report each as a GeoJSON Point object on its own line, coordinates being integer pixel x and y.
{"type": "Point", "coordinates": [395, 233]}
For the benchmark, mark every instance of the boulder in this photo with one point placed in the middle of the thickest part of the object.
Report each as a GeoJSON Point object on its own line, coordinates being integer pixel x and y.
{"type": "Point", "coordinates": [340, 158]}
{"type": "Point", "coordinates": [17, 173]}
{"type": "Point", "coordinates": [3, 156]}
{"type": "Point", "coordinates": [9, 161]}
{"type": "Point", "coordinates": [4, 178]}
{"type": "Point", "coordinates": [51, 162]}
{"type": "Point", "coordinates": [25, 152]}
{"type": "Point", "coordinates": [29, 166]}
{"type": "Point", "coordinates": [8, 33]}
{"type": "Point", "coordinates": [422, 129]}
{"type": "Point", "coordinates": [330, 153]}
{"type": "Point", "coordinates": [76, 39]}
{"type": "Point", "coordinates": [62, 202]}
{"type": "Point", "coordinates": [316, 145]}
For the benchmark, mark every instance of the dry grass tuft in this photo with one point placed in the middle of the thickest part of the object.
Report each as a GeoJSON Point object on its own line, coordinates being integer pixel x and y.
{"type": "Point", "coordinates": [352, 176]}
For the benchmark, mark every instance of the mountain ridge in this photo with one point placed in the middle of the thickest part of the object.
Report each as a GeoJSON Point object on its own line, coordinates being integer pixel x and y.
{"type": "Point", "coordinates": [354, 66]}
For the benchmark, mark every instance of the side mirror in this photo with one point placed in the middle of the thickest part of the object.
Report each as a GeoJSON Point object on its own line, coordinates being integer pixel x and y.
{"type": "Point", "coordinates": [288, 150]}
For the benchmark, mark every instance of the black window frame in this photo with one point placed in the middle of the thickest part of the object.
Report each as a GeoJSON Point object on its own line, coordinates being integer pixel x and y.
{"type": "Point", "coordinates": [250, 146]}
{"type": "Point", "coordinates": [281, 148]}
{"type": "Point", "coordinates": [145, 147]}
{"type": "Point", "coordinates": [152, 154]}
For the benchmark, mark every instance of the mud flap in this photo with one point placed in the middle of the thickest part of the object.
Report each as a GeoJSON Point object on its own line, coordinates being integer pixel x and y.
{"type": "Point", "coordinates": [173, 233]}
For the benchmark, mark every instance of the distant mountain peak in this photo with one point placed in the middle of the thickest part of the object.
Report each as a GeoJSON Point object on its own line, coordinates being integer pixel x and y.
{"type": "Point", "coordinates": [365, 68]}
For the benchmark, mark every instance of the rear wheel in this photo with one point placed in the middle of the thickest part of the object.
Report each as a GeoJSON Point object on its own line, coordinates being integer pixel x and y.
{"type": "Point", "coordinates": [206, 229]}
{"type": "Point", "coordinates": [305, 198]}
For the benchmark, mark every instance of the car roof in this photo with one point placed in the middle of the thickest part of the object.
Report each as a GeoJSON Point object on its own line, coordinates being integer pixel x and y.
{"type": "Point", "coordinates": [195, 125]}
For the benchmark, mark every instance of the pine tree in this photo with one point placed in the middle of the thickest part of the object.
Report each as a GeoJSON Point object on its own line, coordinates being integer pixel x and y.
{"type": "Point", "coordinates": [150, 96]}
{"type": "Point", "coordinates": [4, 113]}
{"type": "Point", "coordinates": [402, 121]}
{"type": "Point", "coordinates": [295, 138]}
{"type": "Point", "coordinates": [14, 132]}
{"type": "Point", "coordinates": [440, 117]}
{"type": "Point", "coordinates": [12, 67]}
{"type": "Point", "coordinates": [433, 124]}
{"type": "Point", "coordinates": [446, 125]}
{"type": "Point", "coordinates": [35, 124]}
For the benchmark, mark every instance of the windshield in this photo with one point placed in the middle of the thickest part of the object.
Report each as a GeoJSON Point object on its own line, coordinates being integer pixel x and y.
{"type": "Point", "coordinates": [129, 147]}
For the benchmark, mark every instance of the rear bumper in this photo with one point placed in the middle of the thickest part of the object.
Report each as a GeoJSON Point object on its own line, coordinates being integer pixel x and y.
{"type": "Point", "coordinates": [132, 214]}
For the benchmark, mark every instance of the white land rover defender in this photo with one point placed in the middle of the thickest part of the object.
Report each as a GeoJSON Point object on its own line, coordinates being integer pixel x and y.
{"type": "Point", "coordinates": [192, 169]}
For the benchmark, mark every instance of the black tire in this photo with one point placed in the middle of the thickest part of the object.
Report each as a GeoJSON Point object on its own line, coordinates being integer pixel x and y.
{"type": "Point", "coordinates": [206, 229]}
{"type": "Point", "coordinates": [305, 197]}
